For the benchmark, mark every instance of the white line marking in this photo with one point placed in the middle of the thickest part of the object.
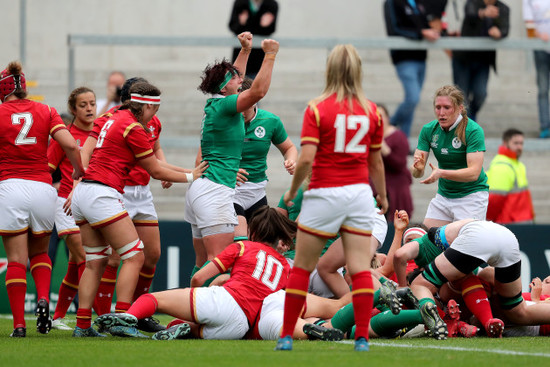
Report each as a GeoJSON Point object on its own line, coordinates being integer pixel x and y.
{"type": "Point", "coordinates": [460, 349]}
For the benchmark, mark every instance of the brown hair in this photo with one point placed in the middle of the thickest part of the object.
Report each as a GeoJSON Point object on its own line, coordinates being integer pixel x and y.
{"type": "Point", "coordinates": [214, 75]}
{"type": "Point", "coordinates": [16, 69]}
{"type": "Point", "coordinates": [457, 98]}
{"type": "Point", "coordinates": [145, 89]}
{"type": "Point", "coordinates": [268, 226]}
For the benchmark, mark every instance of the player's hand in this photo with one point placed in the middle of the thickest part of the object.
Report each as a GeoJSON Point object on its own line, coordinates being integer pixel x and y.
{"type": "Point", "coordinates": [382, 204]}
{"type": "Point", "coordinates": [242, 176]}
{"type": "Point", "coordinates": [290, 166]}
{"type": "Point", "coordinates": [165, 184]}
{"type": "Point", "coordinates": [198, 171]}
{"type": "Point", "coordinates": [419, 161]}
{"type": "Point", "coordinates": [67, 204]}
{"type": "Point", "coordinates": [245, 39]}
{"type": "Point", "coordinates": [400, 220]}
{"type": "Point", "coordinates": [77, 173]}
{"type": "Point", "coordinates": [435, 175]}
{"type": "Point", "coordinates": [288, 197]}
{"type": "Point", "coordinates": [536, 289]}
{"type": "Point", "coordinates": [271, 46]}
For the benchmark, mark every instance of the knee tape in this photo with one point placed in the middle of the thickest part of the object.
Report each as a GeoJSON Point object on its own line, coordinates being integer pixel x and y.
{"type": "Point", "coordinates": [96, 253]}
{"type": "Point", "coordinates": [131, 249]}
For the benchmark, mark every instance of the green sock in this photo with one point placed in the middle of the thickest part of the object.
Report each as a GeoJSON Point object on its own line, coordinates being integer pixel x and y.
{"type": "Point", "coordinates": [195, 269]}
{"type": "Point", "coordinates": [344, 318]}
{"type": "Point", "coordinates": [376, 298]}
{"type": "Point", "coordinates": [423, 301]}
{"type": "Point", "coordinates": [386, 323]}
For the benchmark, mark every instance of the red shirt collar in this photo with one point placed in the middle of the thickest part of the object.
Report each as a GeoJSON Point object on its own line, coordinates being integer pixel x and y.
{"type": "Point", "coordinates": [507, 152]}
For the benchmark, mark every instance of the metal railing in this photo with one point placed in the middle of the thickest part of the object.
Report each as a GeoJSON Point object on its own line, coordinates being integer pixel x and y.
{"type": "Point", "coordinates": [452, 43]}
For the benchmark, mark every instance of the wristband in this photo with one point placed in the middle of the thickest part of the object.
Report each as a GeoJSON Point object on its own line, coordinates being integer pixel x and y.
{"type": "Point", "coordinates": [189, 177]}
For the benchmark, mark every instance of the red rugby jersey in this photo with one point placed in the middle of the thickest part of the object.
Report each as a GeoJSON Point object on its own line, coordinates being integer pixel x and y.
{"type": "Point", "coordinates": [57, 158]}
{"type": "Point", "coordinates": [344, 140]}
{"type": "Point", "coordinates": [138, 175]}
{"type": "Point", "coordinates": [26, 128]}
{"type": "Point", "coordinates": [257, 271]}
{"type": "Point", "coordinates": [121, 141]}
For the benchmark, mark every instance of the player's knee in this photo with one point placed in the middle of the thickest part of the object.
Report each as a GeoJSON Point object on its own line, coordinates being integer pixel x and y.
{"type": "Point", "coordinates": [131, 250]}
{"type": "Point", "coordinates": [432, 274]}
{"type": "Point", "coordinates": [97, 253]}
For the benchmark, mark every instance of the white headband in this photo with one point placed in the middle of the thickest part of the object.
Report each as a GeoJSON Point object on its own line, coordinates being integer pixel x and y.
{"type": "Point", "coordinates": [134, 97]}
{"type": "Point", "coordinates": [413, 230]}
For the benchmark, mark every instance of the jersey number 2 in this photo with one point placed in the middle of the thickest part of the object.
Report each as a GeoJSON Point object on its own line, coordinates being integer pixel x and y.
{"type": "Point", "coordinates": [342, 124]}
{"type": "Point", "coordinates": [24, 118]}
{"type": "Point", "coordinates": [264, 272]}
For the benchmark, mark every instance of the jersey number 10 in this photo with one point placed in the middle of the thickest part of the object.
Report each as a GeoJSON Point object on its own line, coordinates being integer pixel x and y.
{"type": "Point", "coordinates": [264, 272]}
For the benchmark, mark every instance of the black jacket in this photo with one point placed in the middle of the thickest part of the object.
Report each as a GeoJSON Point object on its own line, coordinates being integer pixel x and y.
{"type": "Point", "coordinates": [253, 26]}
{"type": "Point", "coordinates": [474, 26]}
{"type": "Point", "coordinates": [403, 20]}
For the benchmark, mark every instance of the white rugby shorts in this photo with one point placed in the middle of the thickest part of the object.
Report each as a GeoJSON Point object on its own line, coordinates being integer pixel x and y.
{"type": "Point", "coordinates": [208, 203]}
{"type": "Point", "coordinates": [326, 211]}
{"type": "Point", "coordinates": [219, 314]}
{"type": "Point", "coordinates": [138, 201]}
{"type": "Point", "coordinates": [64, 223]}
{"type": "Point", "coordinates": [26, 205]}
{"type": "Point", "coordinates": [470, 206]}
{"type": "Point", "coordinates": [97, 204]}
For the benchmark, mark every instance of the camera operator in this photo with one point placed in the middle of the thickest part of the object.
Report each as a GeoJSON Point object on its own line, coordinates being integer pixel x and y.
{"type": "Point", "coordinates": [114, 87]}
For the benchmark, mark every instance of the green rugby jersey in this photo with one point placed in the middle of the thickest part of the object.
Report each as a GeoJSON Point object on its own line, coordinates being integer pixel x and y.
{"type": "Point", "coordinates": [222, 136]}
{"type": "Point", "coordinates": [450, 153]}
{"type": "Point", "coordinates": [265, 128]}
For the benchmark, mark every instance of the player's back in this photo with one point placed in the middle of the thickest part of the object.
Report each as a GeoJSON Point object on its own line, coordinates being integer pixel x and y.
{"type": "Point", "coordinates": [258, 270]}
{"type": "Point", "coordinates": [26, 127]}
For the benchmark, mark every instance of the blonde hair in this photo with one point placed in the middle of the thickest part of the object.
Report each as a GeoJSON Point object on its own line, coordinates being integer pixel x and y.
{"type": "Point", "coordinates": [344, 75]}
{"type": "Point", "coordinates": [457, 98]}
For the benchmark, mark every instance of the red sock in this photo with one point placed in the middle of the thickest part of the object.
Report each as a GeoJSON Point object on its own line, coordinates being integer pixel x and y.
{"type": "Point", "coordinates": [362, 296]}
{"type": "Point", "coordinates": [41, 270]}
{"type": "Point", "coordinates": [16, 285]}
{"type": "Point", "coordinates": [67, 291]}
{"type": "Point", "coordinates": [122, 307]}
{"type": "Point", "coordinates": [84, 318]}
{"type": "Point", "coordinates": [144, 306]}
{"type": "Point", "coordinates": [144, 281]}
{"type": "Point", "coordinates": [296, 292]}
{"type": "Point", "coordinates": [544, 330]}
{"type": "Point", "coordinates": [475, 298]}
{"type": "Point", "coordinates": [104, 295]}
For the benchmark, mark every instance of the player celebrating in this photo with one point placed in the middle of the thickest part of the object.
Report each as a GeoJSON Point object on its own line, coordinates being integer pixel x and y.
{"type": "Point", "coordinates": [209, 201]}
{"type": "Point", "coordinates": [27, 198]}
{"type": "Point", "coordinates": [341, 140]}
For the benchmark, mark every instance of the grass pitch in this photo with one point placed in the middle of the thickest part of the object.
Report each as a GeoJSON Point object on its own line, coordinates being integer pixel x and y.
{"type": "Point", "coordinates": [59, 349]}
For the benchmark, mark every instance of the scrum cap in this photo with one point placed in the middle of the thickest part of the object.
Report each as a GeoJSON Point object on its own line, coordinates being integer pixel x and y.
{"type": "Point", "coordinates": [9, 83]}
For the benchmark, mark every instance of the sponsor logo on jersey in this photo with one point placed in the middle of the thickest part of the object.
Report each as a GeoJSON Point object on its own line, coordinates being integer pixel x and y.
{"type": "Point", "coordinates": [444, 151]}
{"type": "Point", "coordinates": [259, 132]}
{"type": "Point", "coordinates": [435, 138]}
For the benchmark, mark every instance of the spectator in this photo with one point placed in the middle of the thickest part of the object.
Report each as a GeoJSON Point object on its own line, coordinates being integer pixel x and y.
{"type": "Point", "coordinates": [408, 19]}
{"type": "Point", "coordinates": [114, 88]}
{"type": "Point", "coordinates": [536, 14]}
{"type": "Point", "coordinates": [395, 148]}
{"type": "Point", "coordinates": [482, 18]}
{"type": "Point", "coordinates": [509, 196]}
{"type": "Point", "coordinates": [258, 17]}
